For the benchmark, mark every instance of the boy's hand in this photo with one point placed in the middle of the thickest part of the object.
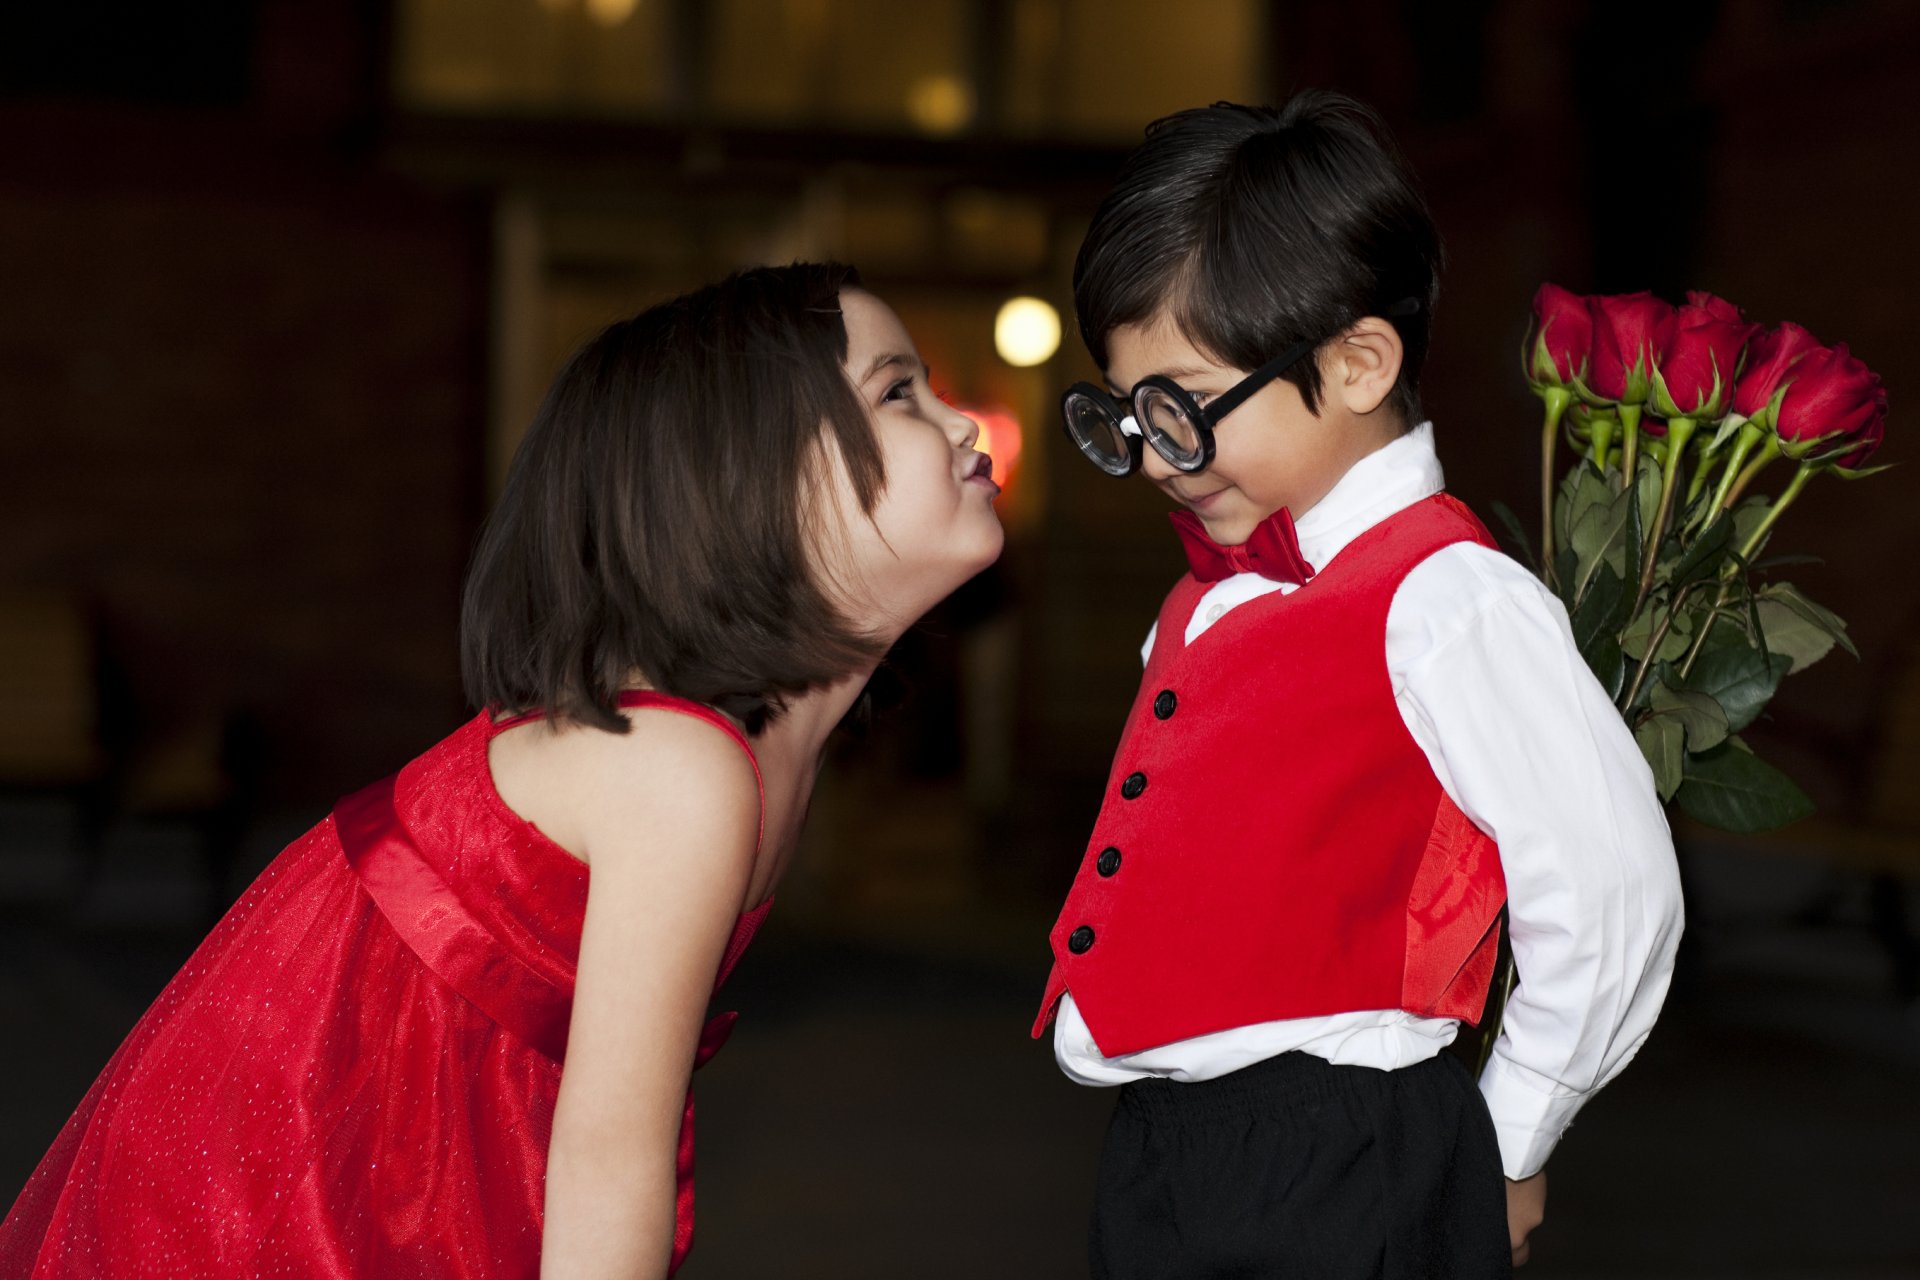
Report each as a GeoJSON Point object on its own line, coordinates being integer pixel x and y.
{"type": "Point", "coordinates": [1526, 1206]}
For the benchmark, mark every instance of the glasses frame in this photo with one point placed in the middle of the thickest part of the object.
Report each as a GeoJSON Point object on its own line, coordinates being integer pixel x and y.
{"type": "Point", "coordinates": [1205, 418]}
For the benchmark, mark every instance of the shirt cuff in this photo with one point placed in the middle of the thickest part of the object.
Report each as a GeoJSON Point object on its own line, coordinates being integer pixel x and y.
{"type": "Point", "coordinates": [1527, 1118]}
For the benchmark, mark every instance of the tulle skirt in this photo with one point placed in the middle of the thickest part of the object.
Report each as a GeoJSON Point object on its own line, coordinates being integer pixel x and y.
{"type": "Point", "coordinates": [304, 1099]}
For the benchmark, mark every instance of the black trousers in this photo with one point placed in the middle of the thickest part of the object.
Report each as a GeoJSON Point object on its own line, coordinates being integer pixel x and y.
{"type": "Point", "coordinates": [1295, 1167]}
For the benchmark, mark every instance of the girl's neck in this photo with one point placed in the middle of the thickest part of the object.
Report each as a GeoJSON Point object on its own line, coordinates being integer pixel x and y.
{"type": "Point", "coordinates": [802, 730]}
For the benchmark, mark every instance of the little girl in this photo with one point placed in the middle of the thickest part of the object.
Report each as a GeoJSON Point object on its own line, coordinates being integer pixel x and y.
{"type": "Point", "coordinates": [725, 512]}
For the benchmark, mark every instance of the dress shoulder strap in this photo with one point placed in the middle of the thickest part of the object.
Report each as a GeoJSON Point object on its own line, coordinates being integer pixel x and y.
{"type": "Point", "coordinates": [701, 711]}
{"type": "Point", "coordinates": [683, 706]}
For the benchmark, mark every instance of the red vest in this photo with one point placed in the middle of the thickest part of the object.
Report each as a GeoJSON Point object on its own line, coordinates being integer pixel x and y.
{"type": "Point", "coordinates": [1274, 843]}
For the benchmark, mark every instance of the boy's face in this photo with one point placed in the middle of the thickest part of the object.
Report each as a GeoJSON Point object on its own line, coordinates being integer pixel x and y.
{"type": "Point", "coordinates": [1271, 452]}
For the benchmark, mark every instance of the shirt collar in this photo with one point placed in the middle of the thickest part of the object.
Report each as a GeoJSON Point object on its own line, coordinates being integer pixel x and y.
{"type": "Point", "coordinates": [1386, 481]}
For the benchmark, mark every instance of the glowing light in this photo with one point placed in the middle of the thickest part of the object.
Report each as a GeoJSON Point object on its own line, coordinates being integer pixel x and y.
{"type": "Point", "coordinates": [999, 439]}
{"type": "Point", "coordinates": [1026, 332]}
{"type": "Point", "coordinates": [611, 13]}
{"type": "Point", "coordinates": [940, 104]}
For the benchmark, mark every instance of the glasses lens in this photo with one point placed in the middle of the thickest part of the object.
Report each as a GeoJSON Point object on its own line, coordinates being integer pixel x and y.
{"type": "Point", "coordinates": [1097, 432]}
{"type": "Point", "coordinates": [1170, 429]}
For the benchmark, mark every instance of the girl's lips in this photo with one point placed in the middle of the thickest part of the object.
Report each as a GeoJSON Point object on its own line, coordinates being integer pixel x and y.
{"type": "Point", "coordinates": [1202, 502]}
{"type": "Point", "coordinates": [982, 472]}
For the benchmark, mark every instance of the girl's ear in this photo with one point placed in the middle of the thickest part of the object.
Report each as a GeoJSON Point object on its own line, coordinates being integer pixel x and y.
{"type": "Point", "coordinates": [1365, 365]}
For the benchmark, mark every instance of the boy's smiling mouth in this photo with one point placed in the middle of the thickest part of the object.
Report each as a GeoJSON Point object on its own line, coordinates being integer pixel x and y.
{"type": "Point", "coordinates": [1197, 502]}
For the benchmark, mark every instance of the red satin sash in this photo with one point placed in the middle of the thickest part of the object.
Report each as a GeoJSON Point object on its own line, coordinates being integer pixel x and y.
{"type": "Point", "coordinates": [444, 933]}
{"type": "Point", "coordinates": [530, 995]}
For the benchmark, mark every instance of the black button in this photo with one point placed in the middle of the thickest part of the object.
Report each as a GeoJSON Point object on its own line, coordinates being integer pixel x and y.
{"type": "Point", "coordinates": [1109, 862]}
{"type": "Point", "coordinates": [1080, 940]}
{"type": "Point", "coordinates": [1164, 704]}
{"type": "Point", "coordinates": [1134, 785]}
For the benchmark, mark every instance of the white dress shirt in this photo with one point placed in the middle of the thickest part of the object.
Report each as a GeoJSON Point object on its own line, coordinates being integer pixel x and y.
{"type": "Point", "coordinates": [1524, 739]}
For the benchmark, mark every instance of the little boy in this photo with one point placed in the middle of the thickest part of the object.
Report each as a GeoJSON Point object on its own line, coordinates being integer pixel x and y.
{"type": "Point", "coordinates": [1358, 737]}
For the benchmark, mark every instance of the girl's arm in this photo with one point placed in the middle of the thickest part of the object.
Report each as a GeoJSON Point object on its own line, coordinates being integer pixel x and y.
{"type": "Point", "coordinates": [669, 817]}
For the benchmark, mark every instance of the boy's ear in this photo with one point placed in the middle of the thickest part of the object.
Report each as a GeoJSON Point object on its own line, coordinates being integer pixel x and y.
{"type": "Point", "coordinates": [1363, 364]}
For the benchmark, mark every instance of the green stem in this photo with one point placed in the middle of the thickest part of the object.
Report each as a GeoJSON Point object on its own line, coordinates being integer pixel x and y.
{"type": "Point", "coordinates": [1653, 645]}
{"type": "Point", "coordinates": [1679, 432]}
{"type": "Point", "coordinates": [1600, 442]}
{"type": "Point", "coordinates": [1785, 500]}
{"type": "Point", "coordinates": [1557, 399]}
{"type": "Point", "coordinates": [1629, 442]}
{"type": "Point", "coordinates": [1761, 461]}
{"type": "Point", "coordinates": [1744, 443]}
{"type": "Point", "coordinates": [1794, 486]}
{"type": "Point", "coordinates": [1699, 480]}
{"type": "Point", "coordinates": [1706, 629]}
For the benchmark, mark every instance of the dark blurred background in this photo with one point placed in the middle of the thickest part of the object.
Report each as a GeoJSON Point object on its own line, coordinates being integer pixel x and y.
{"type": "Point", "coordinates": [282, 280]}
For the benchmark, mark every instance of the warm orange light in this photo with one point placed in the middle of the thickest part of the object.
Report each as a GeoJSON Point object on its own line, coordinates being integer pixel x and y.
{"type": "Point", "coordinates": [611, 13]}
{"type": "Point", "coordinates": [940, 104]}
{"type": "Point", "coordinates": [1026, 332]}
{"type": "Point", "coordinates": [999, 439]}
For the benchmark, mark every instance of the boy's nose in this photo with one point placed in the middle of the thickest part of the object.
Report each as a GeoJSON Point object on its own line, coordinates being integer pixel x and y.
{"type": "Point", "coordinates": [1156, 468]}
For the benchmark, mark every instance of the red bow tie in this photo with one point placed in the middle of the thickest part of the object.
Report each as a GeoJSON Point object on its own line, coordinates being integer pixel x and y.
{"type": "Point", "coordinates": [1273, 551]}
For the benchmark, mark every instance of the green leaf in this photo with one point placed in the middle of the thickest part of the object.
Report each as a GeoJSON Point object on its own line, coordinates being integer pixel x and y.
{"type": "Point", "coordinates": [1581, 491]}
{"type": "Point", "coordinates": [1607, 662]}
{"type": "Point", "coordinates": [1734, 790]}
{"type": "Point", "coordinates": [1563, 562]}
{"type": "Point", "coordinates": [1603, 610]}
{"type": "Point", "coordinates": [1861, 473]}
{"type": "Point", "coordinates": [1747, 518]}
{"type": "Point", "coordinates": [1597, 534]}
{"type": "Point", "coordinates": [1741, 678]}
{"type": "Point", "coordinates": [1791, 596]}
{"type": "Point", "coordinates": [1704, 555]}
{"type": "Point", "coordinates": [1785, 562]}
{"type": "Point", "coordinates": [1624, 555]}
{"type": "Point", "coordinates": [1792, 635]}
{"type": "Point", "coordinates": [1729, 427]}
{"type": "Point", "coordinates": [1648, 483]}
{"type": "Point", "coordinates": [1748, 606]}
{"type": "Point", "coordinates": [1639, 634]}
{"type": "Point", "coordinates": [1705, 723]}
{"type": "Point", "coordinates": [1689, 513]}
{"type": "Point", "coordinates": [1588, 538]}
{"type": "Point", "coordinates": [1663, 742]}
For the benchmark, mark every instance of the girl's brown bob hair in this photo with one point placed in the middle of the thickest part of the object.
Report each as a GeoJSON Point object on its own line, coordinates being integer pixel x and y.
{"type": "Point", "coordinates": [655, 523]}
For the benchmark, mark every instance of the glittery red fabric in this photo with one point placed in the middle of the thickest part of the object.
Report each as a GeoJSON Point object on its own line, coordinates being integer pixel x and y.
{"type": "Point", "coordinates": [354, 1075]}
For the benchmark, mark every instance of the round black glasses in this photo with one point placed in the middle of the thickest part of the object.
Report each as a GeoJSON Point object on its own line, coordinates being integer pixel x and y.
{"type": "Point", "coordinates": [1109, 430]}
{"type": "Point", "coordinates": [1163, 414]}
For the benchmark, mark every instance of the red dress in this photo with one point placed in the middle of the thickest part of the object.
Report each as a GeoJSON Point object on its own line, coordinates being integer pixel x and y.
{"type": "Point", "coordinates": [354, 1075]}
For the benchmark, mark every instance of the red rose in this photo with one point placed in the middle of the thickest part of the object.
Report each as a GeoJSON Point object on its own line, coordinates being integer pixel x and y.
{"type": "Point", "coordinates": [1563, 336]}
{"type": "Point", "coordinates": [1631, 334]}
{"type": "Point", "coordinates": [1832, 399]}
{"type": "Point", "coordinates": [1868, 441]}
{"type": "Point", "coordinates": [1693, 378]}
{"type": "Point", "coordinates": [1769, 357]}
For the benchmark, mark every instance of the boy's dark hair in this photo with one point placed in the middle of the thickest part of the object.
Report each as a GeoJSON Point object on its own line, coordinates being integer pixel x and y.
{"type": "Point", "coordinates": [656, 519]}
{"type": "Point", "coordinates": [1254, 228]}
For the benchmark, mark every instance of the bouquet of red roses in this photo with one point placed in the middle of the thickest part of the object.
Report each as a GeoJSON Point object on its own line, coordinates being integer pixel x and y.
{"type": "Point", "coordinates": [1654, 539]}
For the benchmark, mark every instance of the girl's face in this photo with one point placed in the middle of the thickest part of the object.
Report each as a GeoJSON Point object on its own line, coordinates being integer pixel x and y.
{"type": "Point", "coordinates": [933, 526]}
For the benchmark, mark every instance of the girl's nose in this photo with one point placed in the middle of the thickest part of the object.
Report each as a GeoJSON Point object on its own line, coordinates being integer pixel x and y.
{"type": "Point", "coordinates": [962, 429]}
